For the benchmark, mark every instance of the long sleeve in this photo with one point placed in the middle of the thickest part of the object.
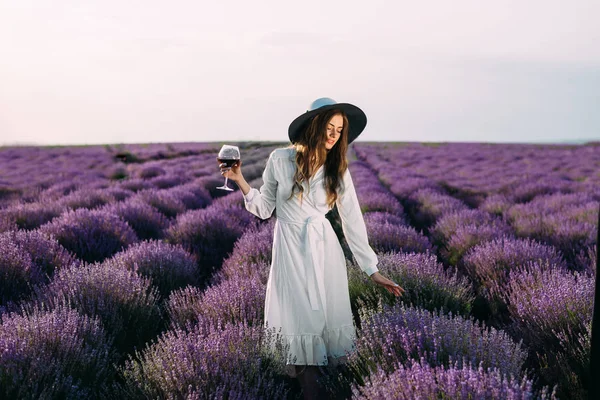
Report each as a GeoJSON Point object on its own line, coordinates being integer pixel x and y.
{"type": "Point", "coordinates": [262, 202]}
{"type": "Point", "coordinates": [353, 226]}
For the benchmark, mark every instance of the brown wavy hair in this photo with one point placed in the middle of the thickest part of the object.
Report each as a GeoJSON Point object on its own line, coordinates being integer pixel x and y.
{"type": "Point", "coordinates": [310, 149]}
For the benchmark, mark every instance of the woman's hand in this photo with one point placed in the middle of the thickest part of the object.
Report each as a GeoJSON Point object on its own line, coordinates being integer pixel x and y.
{"type": "Point", "coordinates": [389, 285]}
{"type": "Point", "coordinates": [234, 173]}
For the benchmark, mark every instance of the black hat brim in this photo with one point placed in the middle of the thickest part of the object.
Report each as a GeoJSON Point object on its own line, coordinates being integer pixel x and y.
{"type": "Point", "coordinates": [357, 121]}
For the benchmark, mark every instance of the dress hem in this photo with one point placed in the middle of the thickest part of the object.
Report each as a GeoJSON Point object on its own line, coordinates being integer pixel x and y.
{"type": "Point", "coordinates": [333, 346]}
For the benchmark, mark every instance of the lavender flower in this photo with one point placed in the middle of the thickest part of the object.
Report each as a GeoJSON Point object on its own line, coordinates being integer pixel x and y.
{"type": "Point", "coordinates": [382, 217]}
{"type": "Point", "coordinates": [399, 333]}
{"type": "Point", "coordinates": [144, 219]}
{"type": "Point", "coordinates": [17, 271]}
{"type": "Point", "coordinates": [544, 299]}
{"type": "Point", "coordinates": [425, 281]}
{"type": "Point", "coordinates": [528, 190]}
{"type": "Point", "coordinates": [551, 310]}
{"type": "Point", "coordinates": [6, 224]}
{"type": "Point", "coordinates": [489, 264]}
{"type": "Point", "coordinates": [117, 172]}
{"type": "Point", "coordinates": [567, 221]}
{"type": "Point", "coordinates": [587, 259]}
{"type": "Point", "coordinates": [119, 193]}
{"type": "Point", "coordinates": [427, 205]}
{"type": "Point", "coordinates": [371, 200]}
{"type": "Point", "coordinates": [59, 190]}
{"type": "Point", "coordinates": [46, 253]}
{"type": "Point", "coordinates": [168, 181]}
{"type": "Point", "coordinates": [92, 235]}
{"type": "Point", "coordinates": [497, 204]}
{"type": "Point", "coordinates": [573, 363]}
{"type": "Point", "coordinates": [458, 231]}
{"type": "Point", "coordinates": [256, 182]}
{"type": "Point", "coordinates": [192, 196]}
{"type": "Point", "coordinates": [372, 196]}
{"type": "Point", "coordinates": [169, 266]}
{"type": "Point", "coordinates": [419, 380]}
{"type": "Point", "coordinates": [54, 354]}
{"type": "Point", "coordinates": [467, 236]}
{"type": "Point", "coordinates": [557, 185]}
{"type": "Point", "coordinates": [164, 201]}
{"type": "Point", "coordinates": [150, 171]}
{"type": "Point", "coordinates": [232, 199]}
{"type": "Point", "coordinates": [195, 364]}
{"type": "Point", "coordinates": [404, 186]}
{"type": "Point", "coordinates": [252, 248]}
{"type": "Point", "coordinates": [210, 234]}
{"type": "Point", "coordinates": [125, 302]}
{"type": "Point", "coordinates": [448, 225]}
{"type": "Point", "coordinates": [29, 215]}
{"type": "Point", "coordinates": [387, 237]}
{"type": "Point", "coordinates": [136, 185]}
{"type": "Point", "coordinates": [231, 270]}
{"type": "Point", "coordinates": [86, 198]}
{"type": "Point", "coordinates": [237, 299]}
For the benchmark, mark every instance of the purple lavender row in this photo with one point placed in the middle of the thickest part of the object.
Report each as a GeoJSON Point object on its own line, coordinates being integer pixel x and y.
{"type": "Point", "coordinates": [387, 224]}
{"type": "Point", "coordinates": [427, 284]}
{"type": "Point", "coordinates": [228, 361]}
{"type": "Point", "coordinates": [372, 196]}
{"type": "Point", "coordinates": [522, 184]}
{"type": "Point", "coordinates": [549, 222]}
{"type": "Point", "coordinates": [43, 174]}
{"type": "Point", "coordinates": [55, 354]}
{"type": "Point", "coordinates": [88, 233]}
{"type": "Point", "coordinates": [420, 380]}
{"type": "Point", "coordinates": [564, 220]}
{"type": "Point", "coordinates": [123, 291]}
{"type": "Point", "coordinates": [551, 309]}
{"type": "Point", "coordinates": [518, 171]}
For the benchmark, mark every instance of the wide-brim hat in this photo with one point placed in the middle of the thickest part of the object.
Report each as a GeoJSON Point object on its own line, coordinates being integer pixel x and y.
{"type": "Point", "coordinates": [357, 120]}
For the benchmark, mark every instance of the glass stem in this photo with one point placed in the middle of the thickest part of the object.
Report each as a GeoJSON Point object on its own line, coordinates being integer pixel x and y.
{"type": "Point", "coordinates": [226, 179]}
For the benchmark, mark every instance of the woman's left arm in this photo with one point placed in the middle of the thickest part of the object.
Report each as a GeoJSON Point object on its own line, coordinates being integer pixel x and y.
{"type": "Point", "coordinates": [353, 226]}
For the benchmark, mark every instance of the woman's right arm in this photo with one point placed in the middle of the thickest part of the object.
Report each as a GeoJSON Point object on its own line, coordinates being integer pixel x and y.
{"type": "Point", "coordinates": [259, 202]}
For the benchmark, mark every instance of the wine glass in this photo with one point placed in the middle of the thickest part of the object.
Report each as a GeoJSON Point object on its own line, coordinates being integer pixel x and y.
{"type": "Point", "coordinates": [229, 155]}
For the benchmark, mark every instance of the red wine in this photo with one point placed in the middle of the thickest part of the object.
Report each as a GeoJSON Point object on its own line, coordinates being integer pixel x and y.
{"type": "Point", "coordinates": [229, 162]}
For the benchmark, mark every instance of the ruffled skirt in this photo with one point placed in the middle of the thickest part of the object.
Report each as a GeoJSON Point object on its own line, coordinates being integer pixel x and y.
{"type": "Point", "coordinates": [332, 348]}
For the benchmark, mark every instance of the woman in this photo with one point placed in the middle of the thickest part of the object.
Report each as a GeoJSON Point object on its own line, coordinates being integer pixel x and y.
{"type": "Point", "coordinates": [307, 297]}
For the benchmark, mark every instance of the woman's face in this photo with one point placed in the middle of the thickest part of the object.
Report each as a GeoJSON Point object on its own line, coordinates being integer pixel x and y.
{"type": "Point", "coordinates": [334, 130]}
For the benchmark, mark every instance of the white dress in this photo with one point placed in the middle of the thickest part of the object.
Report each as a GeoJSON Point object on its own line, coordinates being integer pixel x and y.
{"type": "Point", "coordinates": [307, 299]}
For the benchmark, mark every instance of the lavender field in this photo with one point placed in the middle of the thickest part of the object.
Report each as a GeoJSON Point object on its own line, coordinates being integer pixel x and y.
{"type": "Point", "coordinates": [124, 273]}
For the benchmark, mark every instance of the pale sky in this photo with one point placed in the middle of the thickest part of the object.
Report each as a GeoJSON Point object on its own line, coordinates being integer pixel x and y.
{"type": "Point", "coordinates": [107, 71]}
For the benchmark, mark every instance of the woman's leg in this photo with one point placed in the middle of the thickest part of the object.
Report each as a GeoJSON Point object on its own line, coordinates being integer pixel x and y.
{"type": "Point", "coordinates": [309, 378]}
